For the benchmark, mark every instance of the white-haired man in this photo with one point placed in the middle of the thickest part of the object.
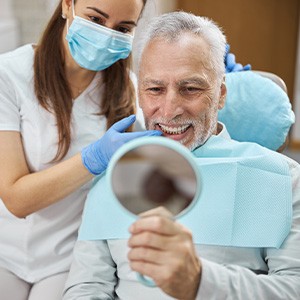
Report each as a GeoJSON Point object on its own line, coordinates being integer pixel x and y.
{"type": "Point", "coordinates": [181, 89]}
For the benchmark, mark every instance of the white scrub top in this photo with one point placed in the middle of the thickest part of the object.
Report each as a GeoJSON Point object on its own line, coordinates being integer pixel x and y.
{"type": "Point", "coordinates": [41, 244]}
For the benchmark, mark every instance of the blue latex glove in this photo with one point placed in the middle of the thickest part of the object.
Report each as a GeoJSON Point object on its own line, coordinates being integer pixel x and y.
{"type": "Point", "coordinates": [230, 63]}
{"type": "Point", "coordinates": [96, 156]}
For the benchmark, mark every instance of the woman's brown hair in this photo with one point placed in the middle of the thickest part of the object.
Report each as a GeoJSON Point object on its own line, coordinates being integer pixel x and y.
{"type": "Point", "coordinates": [53, 91]}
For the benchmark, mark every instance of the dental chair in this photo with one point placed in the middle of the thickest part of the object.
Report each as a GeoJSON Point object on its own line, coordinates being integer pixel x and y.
{"type": "Point", "coordinates": [257, 109]}
{"type": "Point", "coordinates": [279, 81]}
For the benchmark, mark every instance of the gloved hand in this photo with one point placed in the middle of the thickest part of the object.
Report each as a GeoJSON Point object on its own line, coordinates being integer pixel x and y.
{"type": "Point", "coordinates": [230, 63]}
{"type": "Point", "coordinates": [96, 156]}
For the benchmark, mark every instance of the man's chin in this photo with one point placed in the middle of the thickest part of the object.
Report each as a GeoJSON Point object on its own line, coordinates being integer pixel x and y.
{"type": "Point", "coordinates": [191, 145]}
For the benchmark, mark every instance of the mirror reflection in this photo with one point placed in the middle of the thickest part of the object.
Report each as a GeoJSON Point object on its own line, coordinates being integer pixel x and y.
{"type": "Point", "coordinates": [149, 176]}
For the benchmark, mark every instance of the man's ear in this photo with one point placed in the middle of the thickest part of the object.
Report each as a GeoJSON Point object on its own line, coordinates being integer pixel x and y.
{"type": "Point", "coordinates": [223, 93]}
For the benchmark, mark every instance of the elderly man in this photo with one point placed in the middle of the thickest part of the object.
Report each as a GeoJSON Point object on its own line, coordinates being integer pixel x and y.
{"type": "Point", "coordinates": [181, 89]}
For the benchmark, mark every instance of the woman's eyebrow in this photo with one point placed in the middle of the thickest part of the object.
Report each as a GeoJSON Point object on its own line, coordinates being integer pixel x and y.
{"type": "Point", "coordinates": [128, 23]}
{"type": "Point", "coordinates": [105, 15]}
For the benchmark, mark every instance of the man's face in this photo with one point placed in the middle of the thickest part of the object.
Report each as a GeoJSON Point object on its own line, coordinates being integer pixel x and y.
{"type": "Point", "coordinates": [178, 90]}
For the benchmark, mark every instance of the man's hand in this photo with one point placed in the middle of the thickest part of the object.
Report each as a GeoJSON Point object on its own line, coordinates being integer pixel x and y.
{"type": "Point", "coordinates": [163, 250]}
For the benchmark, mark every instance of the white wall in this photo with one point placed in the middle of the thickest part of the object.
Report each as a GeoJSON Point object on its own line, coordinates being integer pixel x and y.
{"type": "Point", "coordinates": [22, 22]}
{"type": "Point", "coordinates": [32, 16]}
{"type": "Point", "coordinates": [9, 27]}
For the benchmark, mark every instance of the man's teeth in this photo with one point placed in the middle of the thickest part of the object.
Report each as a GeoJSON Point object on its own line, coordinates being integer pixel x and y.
{"type": "Point", "coordinates": [173, 130]}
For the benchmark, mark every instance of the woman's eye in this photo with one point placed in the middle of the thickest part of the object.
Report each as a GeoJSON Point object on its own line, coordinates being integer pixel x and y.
{"type": "Point", "coordinates": [96, 20]}
{"type": "Point", "coordinates": [123, 29]}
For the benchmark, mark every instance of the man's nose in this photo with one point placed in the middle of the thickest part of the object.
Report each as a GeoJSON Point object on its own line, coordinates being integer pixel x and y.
{"type": "Point", "coordinates": [172, 105]}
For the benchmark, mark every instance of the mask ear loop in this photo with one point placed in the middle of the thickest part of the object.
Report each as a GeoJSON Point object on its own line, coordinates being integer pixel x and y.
{"type": "Point", "coordinates": [73, 8]}
{"type": "Point", "coordinates": [67, 25]}
{"type": "Point", "coordinates": [73, 12]}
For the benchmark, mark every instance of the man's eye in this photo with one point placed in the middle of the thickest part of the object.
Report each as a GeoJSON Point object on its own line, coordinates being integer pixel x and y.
{"type": "Point", "coordinates": [154, 89]}
{"type": "Point", "coordinates": [190, 90]}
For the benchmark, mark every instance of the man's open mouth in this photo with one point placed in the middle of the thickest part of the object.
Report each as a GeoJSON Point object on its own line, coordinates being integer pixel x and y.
{"type": "Point", "coordinates": [174, 129]}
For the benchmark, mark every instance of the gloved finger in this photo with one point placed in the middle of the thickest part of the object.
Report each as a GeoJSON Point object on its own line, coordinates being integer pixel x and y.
{"type": "Point", "coordinates": [128, 136]}
{"type": "Point", "coordinates": [123, 124]}
{"type": "Point", "coordinates": [247, 67]}
{"type": "Point", "coordinates": [227, 49]}
{"type": "Point", "coordinates": [237, 68]}
{"type": "Point", "coordinates": [230, 61]}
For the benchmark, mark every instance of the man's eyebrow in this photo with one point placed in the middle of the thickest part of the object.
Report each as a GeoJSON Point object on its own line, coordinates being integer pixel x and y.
{"type": "Point", "coordinates": [152, 81]}
{"type": "Point", "coordinates": [105, 15]}
{"type": "Point", "coordinates": [192, 80]}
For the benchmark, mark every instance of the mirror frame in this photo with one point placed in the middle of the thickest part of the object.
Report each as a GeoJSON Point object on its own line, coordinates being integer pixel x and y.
{"type": "Point", "coordinates": [160, 141]}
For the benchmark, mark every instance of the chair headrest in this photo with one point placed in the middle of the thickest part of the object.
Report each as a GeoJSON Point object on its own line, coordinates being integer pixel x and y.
{"type": "Point", "coordinates": [256, 110]}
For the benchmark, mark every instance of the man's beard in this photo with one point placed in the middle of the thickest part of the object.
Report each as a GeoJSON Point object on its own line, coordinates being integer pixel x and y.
{"type": "Point", "coordinates": [201, 134]}
{"type": "Point", "coordinates": [202, 130]}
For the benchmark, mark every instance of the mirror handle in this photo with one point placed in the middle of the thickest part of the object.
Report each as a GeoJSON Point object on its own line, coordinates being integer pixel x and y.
{"type": "Point", "coordinates": [146, 280]}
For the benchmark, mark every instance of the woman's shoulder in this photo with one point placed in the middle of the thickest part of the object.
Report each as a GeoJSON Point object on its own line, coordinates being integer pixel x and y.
{"type": "Point", "coordinates": [18, 60]}
{"type": "Point", "coordinates": [26, 50]}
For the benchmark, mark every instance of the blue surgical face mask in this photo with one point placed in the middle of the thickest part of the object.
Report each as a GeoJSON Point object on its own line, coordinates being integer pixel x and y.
{"type": "Point", "coordinates": [95, 47]}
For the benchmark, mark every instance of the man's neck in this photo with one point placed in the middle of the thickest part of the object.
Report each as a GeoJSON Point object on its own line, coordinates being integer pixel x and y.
{"type": "Point", "coordinates": [219, 128]}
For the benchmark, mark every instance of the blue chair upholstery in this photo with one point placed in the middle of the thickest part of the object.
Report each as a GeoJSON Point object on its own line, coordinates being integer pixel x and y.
{"type": "Point", "coordinates": [257, 109]}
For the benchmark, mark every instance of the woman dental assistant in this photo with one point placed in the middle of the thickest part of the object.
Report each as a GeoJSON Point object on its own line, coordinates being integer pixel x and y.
{"type": "Point", "coordinates": [58, 99]}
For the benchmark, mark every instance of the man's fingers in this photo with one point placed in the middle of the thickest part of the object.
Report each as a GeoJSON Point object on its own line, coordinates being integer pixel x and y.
{"type": "Point", "coordinates": [149, 255]}
{"type": "Point", "coordinates": [155, 223]}
{"type": "Point", "coordinates": [158, 211]}
{"type": "Point", "coordinates": [151, 240]}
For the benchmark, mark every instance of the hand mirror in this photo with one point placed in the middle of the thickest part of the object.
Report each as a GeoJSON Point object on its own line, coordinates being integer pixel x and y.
{"type": "Point", "coordinates": [154, 171]}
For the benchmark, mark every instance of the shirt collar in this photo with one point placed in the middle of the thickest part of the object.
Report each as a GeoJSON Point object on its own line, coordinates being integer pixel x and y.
{"type": "Point", "coordinates": [223, 133]}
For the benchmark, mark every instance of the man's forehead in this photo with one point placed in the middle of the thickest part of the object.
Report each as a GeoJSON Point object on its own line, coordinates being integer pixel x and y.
{"type": "Point", "coordinates": [180, 81]}
{"type": "Point", "coordinates": [189, 54]}
{"type": "Point", "coordinates": [184, 41]}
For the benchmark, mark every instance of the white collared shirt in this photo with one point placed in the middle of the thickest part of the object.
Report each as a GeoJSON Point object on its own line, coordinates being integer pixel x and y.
{"type": "Point", "coordinates": [100, 269]}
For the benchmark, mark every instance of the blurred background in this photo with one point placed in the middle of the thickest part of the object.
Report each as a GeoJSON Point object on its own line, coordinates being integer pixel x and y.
{"type": "Point", "coordinates": [264, 33]}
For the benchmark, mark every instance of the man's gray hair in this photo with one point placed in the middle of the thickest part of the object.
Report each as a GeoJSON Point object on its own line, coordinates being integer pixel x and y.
{"type": "Point", "coordinates": [171, 26]}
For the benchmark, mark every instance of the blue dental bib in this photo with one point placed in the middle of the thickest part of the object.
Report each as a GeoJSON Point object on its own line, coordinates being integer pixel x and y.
{"type": "Point", "coordinates": [245, 201]}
